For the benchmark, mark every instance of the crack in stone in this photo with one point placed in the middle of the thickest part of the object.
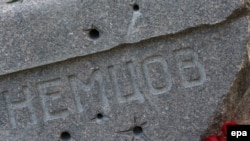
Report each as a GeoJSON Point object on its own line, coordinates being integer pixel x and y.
{"type": "Point", "coordinates": [242, 11]}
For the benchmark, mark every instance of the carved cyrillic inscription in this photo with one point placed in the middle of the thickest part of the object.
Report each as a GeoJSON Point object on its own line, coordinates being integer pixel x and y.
{"type": "Point", "coordinates": [191, 70]}
{"type": "Point", "coordinates": [157, 75]}
{"type": "Point", "coordinates": [52, 103]}
{"type": "Point", "coordinates": [88, 89]}
{"type": "Point", "coordinates": [123, 80]}
{"type": "Point", "coordinates": [78, 86]}
{"type": "Point", "coordinates": [18, 105]}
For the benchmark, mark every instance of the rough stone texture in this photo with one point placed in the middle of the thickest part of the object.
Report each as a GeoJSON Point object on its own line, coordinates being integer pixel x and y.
{"type": "Point", "coordinates": [181, 61]}
{"type": "Point", "coordinates": [235, 106]}
{"type": "Point", "coordinates": [35, 32]}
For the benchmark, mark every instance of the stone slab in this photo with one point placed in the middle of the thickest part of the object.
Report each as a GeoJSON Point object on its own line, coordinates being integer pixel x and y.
{"type": "Point", "coordinates": [35, 32]}
{"type": "Point", "coordinates": [167, 87]}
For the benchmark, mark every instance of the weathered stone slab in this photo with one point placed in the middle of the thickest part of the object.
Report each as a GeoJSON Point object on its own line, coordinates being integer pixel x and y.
{"type": "Point", "coordinates": [35, 32]}
{"type": "Point", "coordinates": [160, 89]}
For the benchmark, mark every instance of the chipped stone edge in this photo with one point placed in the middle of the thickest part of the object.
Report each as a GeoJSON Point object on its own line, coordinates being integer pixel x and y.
{"type": "Point", "coordinates": [228, 106]}
{"type": "Point", "coordinates": [241, 11]}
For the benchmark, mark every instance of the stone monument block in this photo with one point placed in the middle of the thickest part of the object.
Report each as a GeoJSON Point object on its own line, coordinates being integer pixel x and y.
{"type": "Point", "coordinates": [117, 70]}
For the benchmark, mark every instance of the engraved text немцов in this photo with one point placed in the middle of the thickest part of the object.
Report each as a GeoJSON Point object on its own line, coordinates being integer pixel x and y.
{"type": "Point", "coordinates": [124, 83]}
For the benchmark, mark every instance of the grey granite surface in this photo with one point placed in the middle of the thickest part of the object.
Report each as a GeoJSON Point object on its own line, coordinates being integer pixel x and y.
{"type": "Point", "coordinates": [117, 70]}
{"type": "Point", "coordinates": [35, 32]}
{"type": "Point", "coordinates": [161, 89]}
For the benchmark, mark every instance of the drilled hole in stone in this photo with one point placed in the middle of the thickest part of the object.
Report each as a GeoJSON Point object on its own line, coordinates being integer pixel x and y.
{"type": "Point", "coordinates": [94, 34]}
{"type": "Point", "coordinates": [136, 7]}
{"type": "Point", "coordinates": [99, 116]}
{"type": "Point", "coordinates": [137, 130]}
{"type": "Point", "coordinates": [65, 136]}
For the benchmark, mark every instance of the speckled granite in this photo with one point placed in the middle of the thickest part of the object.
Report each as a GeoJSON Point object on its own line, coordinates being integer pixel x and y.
{"type": "Point", "coordinates": [35, 32]}
{"type": "Point", "coordinates": [165, 85]}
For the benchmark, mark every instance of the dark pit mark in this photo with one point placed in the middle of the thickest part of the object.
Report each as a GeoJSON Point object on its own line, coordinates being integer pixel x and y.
{"type": "Point", "coordinates": [94, 34]}
{"type": "Point", "coordinates": [65, 136]}
{"type": "Point", "coordinates": [99, 116]}
{"type": "Point", "coordinates": [137, 130]}
{"type": "Point", "coordinates": [136, 7]}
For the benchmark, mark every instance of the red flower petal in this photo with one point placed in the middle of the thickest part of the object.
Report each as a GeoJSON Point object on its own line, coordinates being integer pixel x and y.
{"type": "Point", "coordinates": [224, 127]}
{"type": "Point", "coordinates": [212, 138]}
{"type": "Point", "coordinates": [222, 138]}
